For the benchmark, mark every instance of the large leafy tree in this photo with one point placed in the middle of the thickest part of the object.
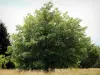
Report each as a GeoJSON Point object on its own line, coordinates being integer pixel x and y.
{"type": "Point", "coordinates": [49, 39]}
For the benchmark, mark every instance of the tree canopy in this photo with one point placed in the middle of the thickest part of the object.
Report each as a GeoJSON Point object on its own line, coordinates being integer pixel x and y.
{"type": "Point", "coordinates": [49, 39]}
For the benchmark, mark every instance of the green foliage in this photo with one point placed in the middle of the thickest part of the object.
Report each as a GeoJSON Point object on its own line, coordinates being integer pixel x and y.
{"type": "Point", "coordinates": [49, 39]}
{"type": "Point", "coordinates": [2, 60]}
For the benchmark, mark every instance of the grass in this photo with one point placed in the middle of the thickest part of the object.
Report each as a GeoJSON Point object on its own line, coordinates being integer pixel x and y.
{"type": "Point", "coordinates": [91, 71]}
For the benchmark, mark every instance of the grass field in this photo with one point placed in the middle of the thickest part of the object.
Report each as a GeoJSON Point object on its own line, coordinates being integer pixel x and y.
{"type": "Point", "coordinates": [57, 72]}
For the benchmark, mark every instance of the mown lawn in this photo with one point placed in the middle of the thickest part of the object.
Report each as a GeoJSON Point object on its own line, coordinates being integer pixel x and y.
{"type": "Point", "coordinates": [91, 71]}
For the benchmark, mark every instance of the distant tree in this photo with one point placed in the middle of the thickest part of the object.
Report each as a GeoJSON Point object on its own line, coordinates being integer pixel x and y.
{"type": "Point", "coordinates": [97, 63]}
{"type": "Point", "coordinates": [4, 38]}
{"type": "Point", "coordinates": [93, 53]}
{"type": "Point", "coordinates": [5, 55]}
{"type": "Point", "coordinates": [49, 39]}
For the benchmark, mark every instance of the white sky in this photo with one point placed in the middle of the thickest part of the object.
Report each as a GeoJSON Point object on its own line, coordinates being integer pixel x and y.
{"type": "Point", "coordinates": [12, 13]}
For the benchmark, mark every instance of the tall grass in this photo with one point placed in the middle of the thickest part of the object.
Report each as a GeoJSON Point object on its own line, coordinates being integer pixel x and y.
{"type": "Point", "coordinates": [91, 71]}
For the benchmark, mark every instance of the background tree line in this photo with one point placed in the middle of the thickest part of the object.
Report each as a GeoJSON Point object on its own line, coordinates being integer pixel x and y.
{"type": "Point", "coordinates": [48, 39]}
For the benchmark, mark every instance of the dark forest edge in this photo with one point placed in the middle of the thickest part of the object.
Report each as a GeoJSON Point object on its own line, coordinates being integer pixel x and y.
{"type": "Point", "coordinates": [48, 39]}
